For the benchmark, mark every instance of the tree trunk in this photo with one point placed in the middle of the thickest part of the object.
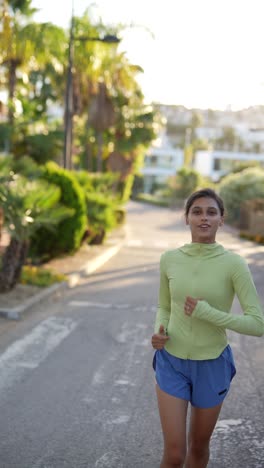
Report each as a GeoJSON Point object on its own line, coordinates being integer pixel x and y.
{"type": "Point", "coordinates": [88, 153]}
{"type": "Point", "coordinates": [12, 86]}
{"type": "Point", "coordinates": [12, 263]}
{"type": "Point", "coordinates": [99, 163]}
{"type": "Point", "coordinates": [1, 221]}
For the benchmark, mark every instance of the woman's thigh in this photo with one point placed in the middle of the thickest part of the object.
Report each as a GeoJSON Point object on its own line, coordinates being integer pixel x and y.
{"type": "Point", "coordinates": [173, 414]}
{"type": "Point", "coordinates": [202, 424]}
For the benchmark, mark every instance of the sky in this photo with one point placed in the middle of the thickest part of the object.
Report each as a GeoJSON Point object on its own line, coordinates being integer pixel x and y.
{"type": "Point", "coordinates": [196, 53]}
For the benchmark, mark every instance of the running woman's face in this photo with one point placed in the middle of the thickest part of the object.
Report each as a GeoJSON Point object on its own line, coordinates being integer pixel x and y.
{"type": "Point", "coordinates": [204, 218]}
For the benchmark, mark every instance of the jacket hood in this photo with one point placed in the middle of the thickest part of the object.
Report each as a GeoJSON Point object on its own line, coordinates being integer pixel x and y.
{"type": "Point", "coordinates": [195, 249]}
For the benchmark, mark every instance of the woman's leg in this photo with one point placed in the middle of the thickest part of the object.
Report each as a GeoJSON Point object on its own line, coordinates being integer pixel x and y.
{"type": "Point", "coordinates": [202, 424]}
{"type": "Point", "coordinates": [173, 413]}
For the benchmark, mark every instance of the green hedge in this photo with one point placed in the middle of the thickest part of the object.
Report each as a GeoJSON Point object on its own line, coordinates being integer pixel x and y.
{"type": "Point", "coordinates": [103, 183]}
{"type": "Point", "coordinates": [185, 182]}
{"type": "Point", "coordinates": [237, 188]}
{"type": "Point", "coordinates": [70, 232]}
{"type": "Point", "coordinates": [107, 183]}
{"type": "Point", "coordinates": [41, 147]}
{"type": "Point", "coordinates": [101, 215]}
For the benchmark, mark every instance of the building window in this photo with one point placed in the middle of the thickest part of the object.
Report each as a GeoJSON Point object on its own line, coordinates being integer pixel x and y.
{"type": "Point", "coordinates": [217, 164]}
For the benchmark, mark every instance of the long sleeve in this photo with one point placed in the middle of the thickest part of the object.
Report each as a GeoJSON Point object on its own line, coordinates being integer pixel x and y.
{"type": "Point", "coordinates": [164, 303]}
{"type": "Point", "coordinates": [252, 321]}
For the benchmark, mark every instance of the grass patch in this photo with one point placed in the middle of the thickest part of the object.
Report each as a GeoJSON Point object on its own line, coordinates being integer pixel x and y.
{"type": "Point", "coordinates": [41, 277]}
{"type": "Point", "coordinates": [258, 238]}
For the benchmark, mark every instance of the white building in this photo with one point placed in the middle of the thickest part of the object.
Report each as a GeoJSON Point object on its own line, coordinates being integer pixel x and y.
{"type": "Point", "coordinates": [215, 164]}
{"type": "Point", "coordinates": [161, 162]}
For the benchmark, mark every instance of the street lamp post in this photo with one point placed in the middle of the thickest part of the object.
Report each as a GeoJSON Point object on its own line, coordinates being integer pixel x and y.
{"type": "Point", "coordinates": [68, 118]}
{"type": "Point", "coordinates": [67, 159]}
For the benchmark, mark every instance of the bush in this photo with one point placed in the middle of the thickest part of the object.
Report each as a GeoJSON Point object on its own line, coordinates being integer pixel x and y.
{"type": "Point", "coordinates": [30, 205]}
{"type": "Point", "coordinates": [5, 135]}
{"type": "Point", "coordinates": [258, 238]}
{"type": "Point", "coordinates": [70, 232]}
{"type": "Point", "coordinates": [184, 183]}
{"type": "Point", "coordinates": [42, 147]}
{"type": "Point", "coordinates": [237, 188]}
{"type": "Point", "coordinates": [101, 215]}
{"type": "Point", "coordinates": [103, 183]}
{"type": "Point", "coordinates": [27, 167]}
{"type": "Point", "coordinates": [5, 165]}
{"type": "Point", "coordinates": [107, 183]}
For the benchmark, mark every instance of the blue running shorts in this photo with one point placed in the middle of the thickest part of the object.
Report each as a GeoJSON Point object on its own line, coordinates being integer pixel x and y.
{"type": "Point", "coordinates": [204, 383]}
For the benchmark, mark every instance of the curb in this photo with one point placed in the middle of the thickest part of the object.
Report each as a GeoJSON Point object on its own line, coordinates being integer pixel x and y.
{"type": "Point", "coordinates": [14, 313]}
{"type": "Point", "coordinates": [92, 265]}
{"type": "Point", "coordinates": [88, 268]}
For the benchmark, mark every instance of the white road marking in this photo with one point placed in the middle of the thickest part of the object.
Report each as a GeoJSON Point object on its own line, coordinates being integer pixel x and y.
{"type": "Point", "coordinates": [121, 419]}
{"type": "Point", "coordinates": [102, 305]}
{"type": "Point", "coordinates": [124, 382]}
{"type": "Point", "coordinates": [90, 304]}
{"type": "Point", "coordinates": [98, 377]}
{"type": "Point", "coordinates": [224, 431]}
{"type": "Point", "coordinates": [223, 425]}
{"type": "Point", "coordinates": [109, 460]}
{"type": "Point", "coordinates": [32, 349]}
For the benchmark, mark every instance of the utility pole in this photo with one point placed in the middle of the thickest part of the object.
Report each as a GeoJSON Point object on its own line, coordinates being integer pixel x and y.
{"type": "Point", "coordinates": [68, 117]}
{"type": "Point", "coordinates": [67, 159]}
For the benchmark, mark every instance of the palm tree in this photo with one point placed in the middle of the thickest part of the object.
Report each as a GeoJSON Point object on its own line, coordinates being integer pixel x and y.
{"type": "Point", "coordinates": [28, 205]}
{"type": "Point", "coordinates": [101, 116]}
{"type": "Point", "coordinates": [28, 47]}
{"type": "Point", "coordinates": [13, 48]}
{"type": "Point", "coordinates": [107, 97]}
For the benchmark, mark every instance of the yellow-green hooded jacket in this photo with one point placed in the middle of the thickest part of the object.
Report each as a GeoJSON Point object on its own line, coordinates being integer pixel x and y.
{"type": "Point", "coordinates": [215, 276]}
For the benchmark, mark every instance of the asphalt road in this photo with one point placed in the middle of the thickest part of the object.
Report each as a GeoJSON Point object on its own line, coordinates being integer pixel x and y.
{"type": "Point", "coordinates": [76, 383]}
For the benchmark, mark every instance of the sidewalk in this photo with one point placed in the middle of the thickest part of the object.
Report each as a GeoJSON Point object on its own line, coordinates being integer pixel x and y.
{"type": "Point", "coordinates": [84, 262]}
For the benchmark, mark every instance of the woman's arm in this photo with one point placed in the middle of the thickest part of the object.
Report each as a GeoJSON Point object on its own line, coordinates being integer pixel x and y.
{"type": "Point", "coordinates": [252, 321]}
{"type": "Point", "coordinates": [164, 303]}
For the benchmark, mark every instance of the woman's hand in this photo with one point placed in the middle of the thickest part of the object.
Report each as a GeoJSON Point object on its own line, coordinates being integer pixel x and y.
{"type": "Point", "coordinates": [158, 340]}
{"type": "Point", "coordinates": [190, 304]}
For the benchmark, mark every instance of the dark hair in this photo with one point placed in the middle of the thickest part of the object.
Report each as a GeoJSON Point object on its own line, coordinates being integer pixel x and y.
{"type": "Point", "coordinates": [204, 193]}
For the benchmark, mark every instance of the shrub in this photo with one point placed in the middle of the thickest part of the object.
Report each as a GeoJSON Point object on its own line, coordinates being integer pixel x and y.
{"type": "Point", "coordinates": [5, 165]}
{"type": "Point", "coordinates": [242, 165]}
{"type": "Point", "coordinates": [28, 206]}
{"type": "Point", "coordinates": [85, 180]}
{"type": "Point", "coordinates": [103, 183]}
{"type": "Point", "coordinates": [184, 183]}
{"type": "Point", "coordinates": [237, 188]}
{"type": "Point", "coordinates": [258, 238]}
{"type": "Point", "coordinates": [5, 134]}
{"type": "Point", "coordinates": [101, 215]}
{"type": "Point", "coordinates": [69, 233]}
{"type": "Point", "coordinates": [42, 147]}
{"type": "Point", "coordinates": [27, 167]}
